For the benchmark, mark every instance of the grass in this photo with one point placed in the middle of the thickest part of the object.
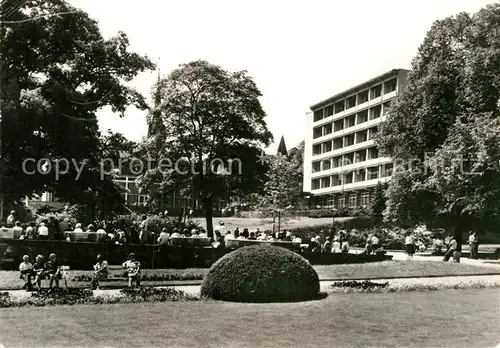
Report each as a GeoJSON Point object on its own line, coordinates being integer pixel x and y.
{"type": "Point", "coordinates": [458, 318]}
{"type": "Point", "coordinates": [266, 224]}
{"type": "Point", "coordinates": [377, 270]}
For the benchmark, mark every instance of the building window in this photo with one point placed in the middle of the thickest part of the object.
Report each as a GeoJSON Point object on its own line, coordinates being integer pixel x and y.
{"type": "Point", "coordinates": [317, 132]}
{"type": "Point", "coordinates": [362, 116]}
{"type": "Point", "coordinates": [327, 165]}
{"type": "Point", "coordinates": [371, 132]}
{"type": "Point", "coordinates": [348, 178]}
{"type": "Point", "coordinates": [336, 180]}
{"type": "Point", "coordinates": [318, 115]}
{"type": "Point", "coordinates": [329, 111]}
{"type": "Point", "coordinates": [337, 161]}
{"type": "Point", "coordinates": [390, 86]}
{"type": "Point", "coordinates": [372, 173]}
{"type": "Point", "coordinates": [376, 92]}
{"type": "Point", "coordinates": [375, 112]}
{"type": "Point", "coordinates": [142, 199]}
{"type": "Point", "coordinates": [327, 128]}
{"type": "Point", "coordinates": [341, 202]}
{"type": "Point", "coordinates": [327, 146]}
{"type": "Point", "coordinates": [353, 201]}
{"type": "Point", "coordinates": [365, 199]}
{"type": "Point", "coordinates": [316, 167]}
{"type": "Point", "coordinates": [387, 170]}
{"type": "Point", "coordinates": [350, 102]}
{"type": "Point", "coordinates": [350, 121]}
{"type": "Point", "coordinates": [317, 149]}
{"type": "Point", "coordinates": [360, 175]}
{"type": "Point", "coordinates": [348, 159]}
{"type": "Point", "coordinates": [360, 156]}
{"type": "Point", "coordinates": [325, 182]}
{"type": "Point", "coordinates": [349, 140]}
{"type": "Point", "coordinates": [361, 137]}
{"type": "Point", "coordinates": [338, 143]}
{"type": "Point", "coordinates": [315, 184]}
{"type": "Point", "coordinates": [330, 203]}
{"type": "Point", "coordinates": [339, 107]}
{"type": "Point", "coordinates": [362, 97]}
{"type": "Point", "coordinates": [372, 153]}
{"type": "Point", "coordinates": [338, 125]}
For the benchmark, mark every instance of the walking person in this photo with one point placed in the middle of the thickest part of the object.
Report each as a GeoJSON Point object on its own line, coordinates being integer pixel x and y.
{"type": "Point", "coordinates": [473, 243]}
{"type": "Point", "coordinates": [451, 249]}
{"type": "Point", "coordinates": [409, 245]}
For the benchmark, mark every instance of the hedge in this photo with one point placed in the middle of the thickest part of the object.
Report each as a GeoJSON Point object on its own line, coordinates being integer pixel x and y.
{"type": "Point", "coordinates": [261, 273]}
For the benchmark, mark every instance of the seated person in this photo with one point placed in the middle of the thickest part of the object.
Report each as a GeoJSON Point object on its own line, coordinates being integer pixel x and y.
{"type": "Point", "coordinates": [100, 271]}
{"type": "Point", "coordinates": [297, 240]}
{"type": "Point", "coordinates": [263, 236]}
{"type": "Point", "coordinates": [30, 231]}
{"type": "Point", "coordinates": [345, 247]}
{"type": "Point", "coordinates": [228, 236]}
{"type": "Point", "coordinates": [18, 230]}
{"type": "Point", "coordinates": [241, 237]}
{"type": "Point", "coordinates": [195, 233]}
{"type": "Point", "coordinates": [133, 270]}
{"type": "Point", "coordinates": [164, 237]}
{"type": "Point", "coordinates": [203, 233]}
{"type": "Point", "coordinates": [39, 271]}
{"type": "Point", "coordinates": [288, 236]}
{"type": "Point", "coordinates": [175, 234]}
{"type": "Point", "coordinates": [120, 237]}
{"type": "Point", "coordinates": [78, 228]}
{"type": "Point", "coordinates": [52, 270]}
{"type": "Point", "coordinates": [218, 239]}
{"type": "Point", "coordinates": [375, 243]}
{"type": "Point", "coordinates": [252, 236]}
{"type": "Point", "coordinates": [327, 247]}
{"type": "Point", "coordinates": [336, 246]}
{"type": "Point", "coordinates": [90, 228]}
{"type": "Point", "coordinates": [245, 233]}
{"type": "Point", "coordinates": [26, 270]}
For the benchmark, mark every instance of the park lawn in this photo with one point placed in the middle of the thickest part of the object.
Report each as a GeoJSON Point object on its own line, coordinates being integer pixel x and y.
{"type": "Point", "coordinates": [450, 318]}
{"type": "Point", "coordinates": [401, 269]}
{"type": "Point", "coordinates": [252, 224]}
{"type": "Point", "coordinates": [9, 280]}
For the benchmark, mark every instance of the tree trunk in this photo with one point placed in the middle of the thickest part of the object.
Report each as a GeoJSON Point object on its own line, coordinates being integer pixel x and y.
{"type": "Point", "coordinates": [208, 204]}
{"type": "Point", "coordinates": [458, 231]}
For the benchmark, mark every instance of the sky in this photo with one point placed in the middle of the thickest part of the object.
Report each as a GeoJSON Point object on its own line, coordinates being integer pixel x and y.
{"type": "Point", "coordinates": [298, 52]}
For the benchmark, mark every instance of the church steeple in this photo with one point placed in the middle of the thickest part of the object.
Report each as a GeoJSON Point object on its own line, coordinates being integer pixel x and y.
{"type": "Point", "coordinates": [155, 122]}
{"type": "Point", "coordinates": [282, 147]}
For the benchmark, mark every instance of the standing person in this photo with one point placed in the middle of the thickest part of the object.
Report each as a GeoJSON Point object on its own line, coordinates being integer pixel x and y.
{"type": "Point", "coordinates": [100, 271]}
{"type": "Point", "coordinates": [133, 270]}
{"type": "Point", "coordinates": [43, 232]}
{"type": "Point", "coordinates": [474, 247]}
{"type": "Point", "coordinates": [222, 228]}
{"type": "Point", "coordinates": [409, 245]}
{"type": "Point", "coordinates": [451, 249]}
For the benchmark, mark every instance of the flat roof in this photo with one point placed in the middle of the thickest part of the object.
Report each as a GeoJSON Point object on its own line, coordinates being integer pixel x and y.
{"type": "Point", "coordinates": [384, 76]}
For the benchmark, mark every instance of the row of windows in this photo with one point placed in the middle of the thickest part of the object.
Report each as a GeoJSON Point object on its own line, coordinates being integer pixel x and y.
{"type": "Point", "coordinates": [357, 99]}
{"type": "Point", "coordinates": [351, 199]}
{"type": "Point", "coordinates": [351, 121]}
{"type": "Point", "coordinates": [360, 175]}
{"type": "Point", "coordinates": [348, 140]}
{"type": "Point", "coordinates": [346, 159]}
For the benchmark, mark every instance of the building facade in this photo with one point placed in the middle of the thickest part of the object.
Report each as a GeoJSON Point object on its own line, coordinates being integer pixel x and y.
{"type": "Point", "coordinates": [341, 161]}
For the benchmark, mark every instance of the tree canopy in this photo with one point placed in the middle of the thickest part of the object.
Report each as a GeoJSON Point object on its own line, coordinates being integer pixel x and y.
{"type": "Point", "coordinates": [444, 126]}
{"type": "Point", "coordinates": [56, 72]}
{"type": "Point", "coordinates": [207, 131]}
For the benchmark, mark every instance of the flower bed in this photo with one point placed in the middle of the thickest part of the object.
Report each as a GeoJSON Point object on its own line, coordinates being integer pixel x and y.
{"type": "Point", "coordinates": [85, 296]}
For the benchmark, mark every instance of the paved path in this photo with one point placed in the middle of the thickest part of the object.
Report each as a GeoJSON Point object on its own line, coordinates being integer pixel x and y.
{"type": "Point", "coordinates": [401, 256]}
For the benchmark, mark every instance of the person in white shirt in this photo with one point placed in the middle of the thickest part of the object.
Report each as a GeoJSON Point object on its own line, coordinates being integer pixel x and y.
{"type": "Point", "coordinates": [262, 236]}
{"type": "Point", "coordinates": [336, 246]}
{"type": "Point", "coordinates": [175, 233]}
{"type": "Point", "coordinates": [11, 219]}
{"type": "Point", "coordinates": [78, 228]}
{"type": "Point", "coordinates": [228, 236]}
{"type": "Point", "coordinates": [43, 232]}
{"type": "Point", "coordinates": [452, 247]}
{"type": "Point", "coordinates": [409, 245]}
{"type": "Point", "coordinates": [222, 228]}
{"type": "Point", "coordinates": [18, 230]}
{"type": "Point", "coordinates": [164, 237]}
{"type": "Point", "coordinates": [26, 270]}
{"type": "Point", "coordinates": [375, 242]}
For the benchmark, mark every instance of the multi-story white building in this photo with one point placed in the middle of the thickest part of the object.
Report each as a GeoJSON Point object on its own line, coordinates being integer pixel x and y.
{"type": "Point", "coordinates": [341, 161]}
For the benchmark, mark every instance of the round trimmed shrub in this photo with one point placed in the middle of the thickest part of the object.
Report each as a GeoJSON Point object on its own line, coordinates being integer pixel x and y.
{"type": "Point", "coordinates": [261, 273]}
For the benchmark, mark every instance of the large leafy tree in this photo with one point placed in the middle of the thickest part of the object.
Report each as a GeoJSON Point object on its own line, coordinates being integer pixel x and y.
{"type": "Point", "coordinates": [451, 99]}
{"type": "Point", "coordinates": [207, 130]}
{"type": "Point", "coordinates": [56, 72]}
